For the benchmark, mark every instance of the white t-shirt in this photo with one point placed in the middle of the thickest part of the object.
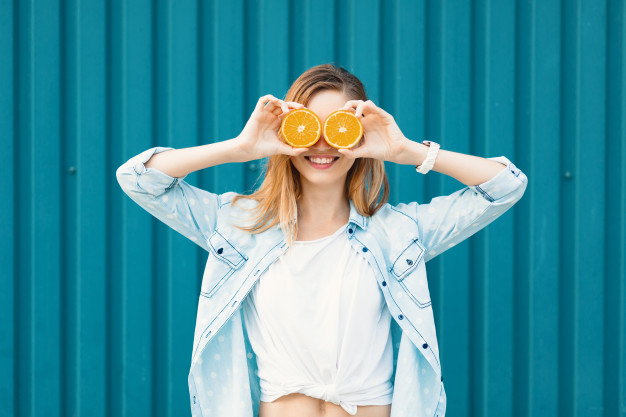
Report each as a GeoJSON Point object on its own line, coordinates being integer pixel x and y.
{"type": "Point", "coordinates": [318, 324]}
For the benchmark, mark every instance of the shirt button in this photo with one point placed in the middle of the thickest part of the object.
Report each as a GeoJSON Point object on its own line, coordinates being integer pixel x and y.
{"type": "Point", "coordinates": [350, 230]}
{"type": "Point", "coordinates": [400, 316]}
{"type": "Point", "coordinates": [409, 262]}
{"type": "Point", "coordinates": [219, 251]}
{"type": "Point", "coordinates": [364, 249]}
{"type": "Point", "coordinates": [425, 345]}
{"type": "Point", "coordinates": [384, 283]}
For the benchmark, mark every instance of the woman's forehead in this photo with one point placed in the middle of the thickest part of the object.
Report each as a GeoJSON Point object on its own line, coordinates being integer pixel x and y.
{"type": "Point", "coordinates": [325, 102]}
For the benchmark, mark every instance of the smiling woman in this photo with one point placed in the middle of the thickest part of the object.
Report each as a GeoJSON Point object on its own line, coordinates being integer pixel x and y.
{"type": "Point", "coordinates": [314, 299]}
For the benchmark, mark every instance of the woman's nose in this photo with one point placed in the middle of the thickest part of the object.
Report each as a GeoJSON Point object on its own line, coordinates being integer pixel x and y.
{"type": "Point", "coordinates": [321, 144]}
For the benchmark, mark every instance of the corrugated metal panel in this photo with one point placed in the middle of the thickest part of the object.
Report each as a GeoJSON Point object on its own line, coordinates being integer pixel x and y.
{"type": "Point", "coordinates": [99, 300]}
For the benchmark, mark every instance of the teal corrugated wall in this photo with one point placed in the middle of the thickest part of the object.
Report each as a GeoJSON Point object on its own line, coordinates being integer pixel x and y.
{"type": "Point", "coordinates": [98, 300]}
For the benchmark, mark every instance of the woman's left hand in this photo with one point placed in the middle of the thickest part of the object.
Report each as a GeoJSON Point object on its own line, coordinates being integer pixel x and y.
{"type": "Point", "coordinates": [382, 138]}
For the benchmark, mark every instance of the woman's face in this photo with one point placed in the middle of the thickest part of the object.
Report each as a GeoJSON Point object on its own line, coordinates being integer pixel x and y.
{"type": "Point", "coordinates": [322, 164]}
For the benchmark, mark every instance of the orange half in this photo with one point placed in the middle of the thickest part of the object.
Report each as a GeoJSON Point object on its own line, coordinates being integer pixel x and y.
{"type": "Point", "coordinates": [301, 128]}
{"type": "Point", "coordinates": [342, 129]}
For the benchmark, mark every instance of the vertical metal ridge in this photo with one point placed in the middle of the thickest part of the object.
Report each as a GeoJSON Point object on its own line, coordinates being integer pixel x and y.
{"type": "Point", "coordinates": [385, 82]}
{"type": "Point", "coordinates": [117, 255]}
{"type": "Point", "coordinates": [25, 367]}
{"type": "Point", "coordinates": [158, 305]}
{"type": "Point", "coordinates": [200, 106]}
{"type": "Point", "coordinates": [615, 207]}
{"type": "Point", "coordinates": [214, 84]}
{"type": "Point", "coordinates": [9, 247]}
{"type": "Point", "coordinates": [110, 183]}
{"type": "Point", "coordinates": [426, 85]}
{"type": "Point", "coordinates": [17, 241]}
{"type": "Point", "coordinates": [523, 278]}
{"type": "Point", "coordinates": [591, 199]}
{"type": "Point", "coordinates": [477, 114]}
{"type": "Point", "coordinates": [250, 69]}
{"type": "Point", "coordinates": [289, 58]}
{"type": "Point", "coordinates": [476, 266]}
{"type": "Point", "coordinates": [248, 27]}
{"type": "Point", "coordinates": [156, 243]}
{"type": "Point", "coordinates": [620, 260]}
{"type": "Point", "coordinates": [569, 228]}
{"type": "Point", "coordinates": [90, 206]}
{"type": "Point", "coordinates": [297, 38]}
{"type": "Point", "coordinates": [66, 276]}
{"type": "Point", "coordinates": [336, 31]}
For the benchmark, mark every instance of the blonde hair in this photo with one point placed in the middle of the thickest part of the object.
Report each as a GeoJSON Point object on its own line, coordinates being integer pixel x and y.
{"type": "Point", "coordinates": [277, 197]}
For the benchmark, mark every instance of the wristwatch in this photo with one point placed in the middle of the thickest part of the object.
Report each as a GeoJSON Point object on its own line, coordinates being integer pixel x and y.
{"type": "Point", "coordinates": [429, 162]}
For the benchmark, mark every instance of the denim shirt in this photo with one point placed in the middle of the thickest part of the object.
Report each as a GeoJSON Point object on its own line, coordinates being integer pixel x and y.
{"type": "Point", "coordinates": [397, 241]}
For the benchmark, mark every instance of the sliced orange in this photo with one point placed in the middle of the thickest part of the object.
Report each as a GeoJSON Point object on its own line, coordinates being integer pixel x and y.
{"type": "Point", "coordinates": [301, 128]}
{"type": "Point", "coordinates": [342, 129]}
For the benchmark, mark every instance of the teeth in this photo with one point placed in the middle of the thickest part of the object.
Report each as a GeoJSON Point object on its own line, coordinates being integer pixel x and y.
{"type": "Point", "coordinates": [321, 160]}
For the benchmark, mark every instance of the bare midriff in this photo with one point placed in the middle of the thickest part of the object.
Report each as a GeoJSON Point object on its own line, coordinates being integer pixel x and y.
{"type": "Point", "coordinates": [297, 404]}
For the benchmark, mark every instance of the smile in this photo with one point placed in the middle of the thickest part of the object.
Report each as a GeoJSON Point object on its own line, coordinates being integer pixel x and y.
{"type": "Point", "coordinates": [321, 162]}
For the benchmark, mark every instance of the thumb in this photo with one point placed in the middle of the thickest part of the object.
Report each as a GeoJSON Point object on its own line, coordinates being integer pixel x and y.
{"type": "Point", "coordinates": [291, 151]}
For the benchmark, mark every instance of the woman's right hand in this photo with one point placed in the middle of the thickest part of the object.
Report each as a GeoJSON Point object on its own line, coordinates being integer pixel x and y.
{"type": "Point", "coordinates": [259, 137]}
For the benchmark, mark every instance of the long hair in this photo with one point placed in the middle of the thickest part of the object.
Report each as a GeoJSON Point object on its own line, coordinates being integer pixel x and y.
{"type": "Point", "coordinates": [277, 197]}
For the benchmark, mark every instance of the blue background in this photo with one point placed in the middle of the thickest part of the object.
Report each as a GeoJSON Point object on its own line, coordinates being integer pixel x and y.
{"type": "Point", "coordinates": [98, 300]}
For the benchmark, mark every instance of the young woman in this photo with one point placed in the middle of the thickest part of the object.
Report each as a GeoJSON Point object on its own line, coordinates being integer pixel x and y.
{"type": "Point", "coordinates": [314, 300]}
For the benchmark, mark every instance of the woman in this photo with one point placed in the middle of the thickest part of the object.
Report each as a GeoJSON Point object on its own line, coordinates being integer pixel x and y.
{"type": "Point", "coordinates": [305, 275]}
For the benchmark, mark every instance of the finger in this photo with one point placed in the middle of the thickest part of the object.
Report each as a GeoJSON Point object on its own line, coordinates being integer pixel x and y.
{"type": "Point", "coordinates": [272, 102]}
{"type": "Point", "coordinates": [276, 106]}
{"type": "Point", "coordinates": [360, 109]}
{"type": "Point", "coordinates": [287, 106]}
{"type": "Point", "coordinates": [290, 150]}
{"type": "Point", "coordinates": [370, 107]}
{"type": "Point", "coordinates": [352, 153]}
{"type": "Point", "coordinates": [263, 101]}
{"type": "Point", "coordinates": [351, 104]}
{"type": "Point", "coordinates": [298, 151]}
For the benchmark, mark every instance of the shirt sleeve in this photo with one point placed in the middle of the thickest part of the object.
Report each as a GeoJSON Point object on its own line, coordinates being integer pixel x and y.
{"type": "Point", "coordinates": [188, 210]}
{"type": "Point", "coordinates": [448, 220]}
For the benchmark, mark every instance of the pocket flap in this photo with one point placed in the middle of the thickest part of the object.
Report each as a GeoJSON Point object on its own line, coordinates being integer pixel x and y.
{"type": "Point", "coordinates": [223, 250]}
{"type": "Point", "coordinates": [408, 259]}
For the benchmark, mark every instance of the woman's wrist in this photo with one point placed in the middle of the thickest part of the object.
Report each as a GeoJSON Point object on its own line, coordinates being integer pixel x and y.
{"type": "Point", "coordinates": [411, 153]}
{"type": "Point", "coordinates": [241, 150]}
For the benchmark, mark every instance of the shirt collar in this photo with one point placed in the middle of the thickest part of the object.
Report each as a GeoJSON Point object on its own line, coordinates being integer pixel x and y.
{"type": "Point", "coordinates": [357, 218]}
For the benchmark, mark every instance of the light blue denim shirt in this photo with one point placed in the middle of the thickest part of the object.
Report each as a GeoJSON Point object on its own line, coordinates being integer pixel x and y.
{"type": "Point", "coordinates": [397, 241]}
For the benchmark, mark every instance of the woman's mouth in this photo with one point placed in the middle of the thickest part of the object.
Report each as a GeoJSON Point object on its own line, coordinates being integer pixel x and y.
{"type": "Point", "coordinates": [321, 162]}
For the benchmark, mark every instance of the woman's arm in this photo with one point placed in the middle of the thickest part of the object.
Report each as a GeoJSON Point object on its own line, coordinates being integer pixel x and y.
{"type": "Point", "coordinates": [468, 169]}
{"type": "Point", "coordinates": [493, 185]}
{"type": "Point", "coordinates": [258, 139]}
{"type": "Point", "coordinates": [179, 163]}
{"type": "Point", "coordinates": [384, 140]}
{"type": "Point", "coordinates": [154, 179]}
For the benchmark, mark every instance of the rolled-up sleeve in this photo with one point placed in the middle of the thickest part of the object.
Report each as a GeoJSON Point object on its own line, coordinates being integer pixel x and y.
{"type": "Point", "coordinates": [188, 210]}
{"type": "Point", "coordinates": [448, 220]}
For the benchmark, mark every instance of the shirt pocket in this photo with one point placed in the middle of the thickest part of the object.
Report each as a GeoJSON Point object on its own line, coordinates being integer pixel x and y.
{"type": "Point", "coordinates": [410, 271]}
{"type": "Point", "coordinates": [224, 259]}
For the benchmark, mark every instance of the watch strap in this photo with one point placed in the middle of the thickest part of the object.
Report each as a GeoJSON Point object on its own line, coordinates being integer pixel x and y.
{"type": "Point", "coordinates": [429, 162]}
